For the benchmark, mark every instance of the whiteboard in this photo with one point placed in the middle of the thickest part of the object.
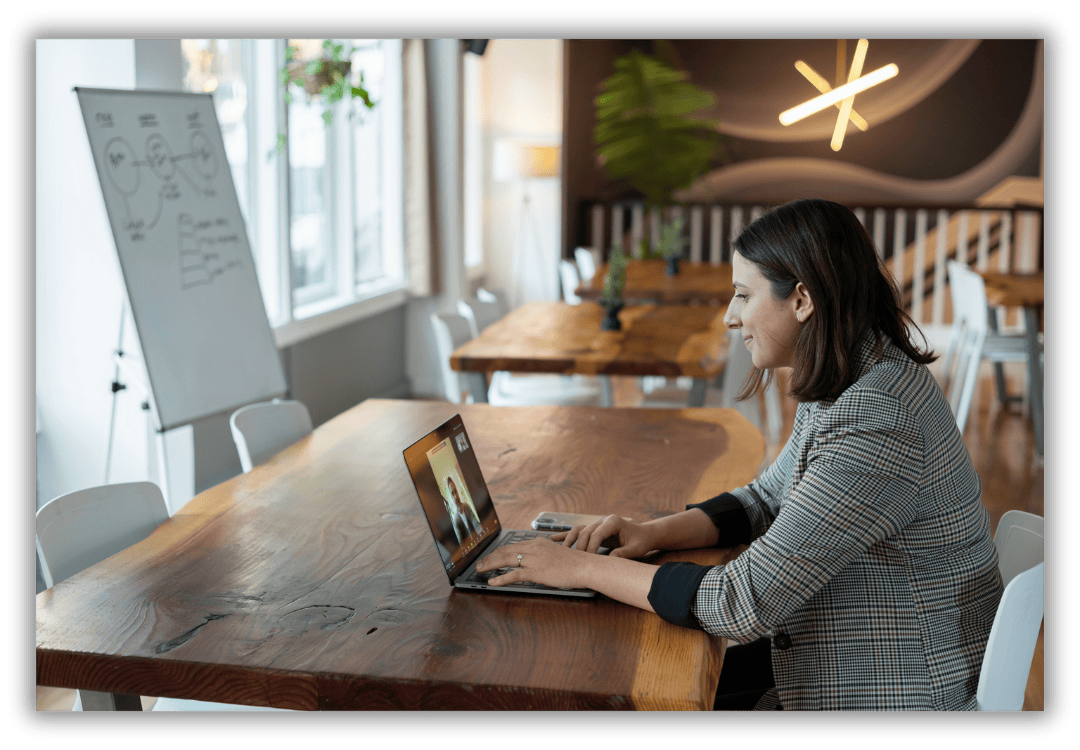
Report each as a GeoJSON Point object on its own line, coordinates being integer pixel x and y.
{"type": "Point", "coordinates": [183, 251]}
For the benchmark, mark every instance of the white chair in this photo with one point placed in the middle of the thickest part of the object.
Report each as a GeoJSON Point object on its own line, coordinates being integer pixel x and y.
{"type": "Point", "coordinates": [1011, 646]}
{"type": "Point", "coordinates": [973, 341]}
{"type": "Point", "coordinates": [568, 275]}
{"type": "Point", "coordinates": [479, 313]}
{"type": "Point", "coordinates": [82, 528]}
{"type": "Point", "coordinates": [506, 387]}
{"type": "Point", "coordinates": [586, 263]}
{"type": "Point", "coordinates": [492, 295]}
{"type": "Point", "coordinates": [264, 429]}
{"type": "Point", "coordinates": [738, 366]}
{"type": "Point", "coordinates": [452, 330]}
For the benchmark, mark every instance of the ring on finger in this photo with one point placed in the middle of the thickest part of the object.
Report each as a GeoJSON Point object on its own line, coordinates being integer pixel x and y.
{"type": "Point", "coordinates": [519, 561]}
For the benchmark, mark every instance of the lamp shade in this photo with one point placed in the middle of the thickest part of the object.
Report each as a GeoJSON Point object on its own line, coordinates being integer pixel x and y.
{"type": "Point", "coordinates": [522, 161]}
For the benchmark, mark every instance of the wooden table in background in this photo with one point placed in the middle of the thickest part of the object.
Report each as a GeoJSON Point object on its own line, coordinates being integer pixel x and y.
{"type": "Point", "coordinates": [647, 281]}
{"type": "Point", "coordinates": [556, 337]}
{"type": "Point", "coordinates": [1024, 290]}
{"type": "Point", "coordinates": [312, 582]}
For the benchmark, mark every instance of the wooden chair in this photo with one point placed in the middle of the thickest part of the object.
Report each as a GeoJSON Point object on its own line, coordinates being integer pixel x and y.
{"type": "Point", "coordinates": [1011, 646]}
{"type": "Point", "coordinates": [82, 528]}
{"type": "Point", "coordinates": [264, 429]}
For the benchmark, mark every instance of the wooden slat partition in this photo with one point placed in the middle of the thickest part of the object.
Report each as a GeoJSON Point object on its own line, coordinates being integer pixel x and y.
{"type": "Point", "coordinates": [916, 241]}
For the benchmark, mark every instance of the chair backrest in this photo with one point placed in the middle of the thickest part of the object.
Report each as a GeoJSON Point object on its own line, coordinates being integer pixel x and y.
{"type": "Point", "coordinates": [1019, 542]}
{"type": "Point", "coordinates": [262, 430]}
{"type": "Point", "coordinates": [478, 313]}
{"type": "Point", "coordinates": [451, 330]}
{"type": "Point", "coordinates": [586, 262]}
{"type": "Point", "coordinates": [1011, 646]}
{"type": "Point", "coordinates": [82, 528]}
{"type": "Point", "coordinates": [491, 295]}
{"type": "Point", "coordinates": [971, 312]}
{"type": "Point", "coordinates": [568, 274]}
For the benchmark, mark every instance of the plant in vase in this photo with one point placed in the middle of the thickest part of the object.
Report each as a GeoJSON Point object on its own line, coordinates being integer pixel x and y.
{"type": "Point", "coordinates": [671, 244]}
{"type": "Point", "coordinates": [325, 78]}
{"type": "Point", "coordinates": [614, 283]}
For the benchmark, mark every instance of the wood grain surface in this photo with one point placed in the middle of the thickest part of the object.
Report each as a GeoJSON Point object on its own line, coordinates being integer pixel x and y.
{"type": "Point", "coordinates": [1014, 289]}
{"type": "Point", "coordinates": [667, 340]}
{"type": "Point", "coordinates": [648, 281]}
{"type": "Point", "coordinates": [312, 582]}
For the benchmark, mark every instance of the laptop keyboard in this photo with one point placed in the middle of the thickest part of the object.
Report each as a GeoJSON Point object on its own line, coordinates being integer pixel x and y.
{"type": "Point", "coordinates": [513, 538]}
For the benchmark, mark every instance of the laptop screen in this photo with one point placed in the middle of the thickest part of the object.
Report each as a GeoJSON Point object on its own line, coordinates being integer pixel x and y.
{"type": "Point", "coordinates": [453, 494]}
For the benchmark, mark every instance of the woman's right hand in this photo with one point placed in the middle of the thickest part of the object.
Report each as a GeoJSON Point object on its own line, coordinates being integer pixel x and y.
{"type": "Point", "coordinates": [634, 539]}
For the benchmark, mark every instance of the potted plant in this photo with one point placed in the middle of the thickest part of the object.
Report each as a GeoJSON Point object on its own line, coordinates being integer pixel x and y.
{"type": "Point", "coordinates": [325, 78]}
{"type": "Point", "coordinates": [648, 130]}
{"type": "Point", "coordinates": [614, 283]}
{"type": "Point", "coordinates": [671, 244]}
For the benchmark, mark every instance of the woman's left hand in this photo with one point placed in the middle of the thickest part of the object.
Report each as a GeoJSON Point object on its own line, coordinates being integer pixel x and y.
{"type": "Point", "coordinates": [541, 561]}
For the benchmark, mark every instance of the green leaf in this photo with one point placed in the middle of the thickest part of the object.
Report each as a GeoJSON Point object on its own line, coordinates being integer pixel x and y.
{"type": "Point", "coordinates": [328, 116]}
{"type": "Point", "coordinates": [290, 53]}
{"type": "Point", "coordinates": [313, 66]}
{"type": "Point", "coordinates": [649, 130]}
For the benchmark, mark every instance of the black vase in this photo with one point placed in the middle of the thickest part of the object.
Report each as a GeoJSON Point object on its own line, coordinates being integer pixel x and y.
{"type": "Point", "coordinates": [611, 321]}
{"type": "Point", "coordinates": [672, 266]}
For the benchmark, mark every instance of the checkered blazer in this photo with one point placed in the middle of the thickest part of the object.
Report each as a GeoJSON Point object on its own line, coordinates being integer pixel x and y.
{"type": "Point", "coordinates": [871, 551]}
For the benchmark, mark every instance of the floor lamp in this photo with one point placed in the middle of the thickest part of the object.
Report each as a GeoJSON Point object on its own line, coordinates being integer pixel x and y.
{"type": "Point", "coordinates": [524, 162]}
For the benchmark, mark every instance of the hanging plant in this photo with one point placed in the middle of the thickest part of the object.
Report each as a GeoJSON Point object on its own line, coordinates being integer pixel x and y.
{"type": "Point", "coordinates": [325, 78]}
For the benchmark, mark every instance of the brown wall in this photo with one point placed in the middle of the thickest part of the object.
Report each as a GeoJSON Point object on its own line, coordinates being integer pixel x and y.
{"type": "Point", "coordinates": [949, 132]}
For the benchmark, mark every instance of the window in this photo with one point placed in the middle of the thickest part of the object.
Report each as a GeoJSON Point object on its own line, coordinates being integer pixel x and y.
{"type": "Point", "coordinates": [324, 216]}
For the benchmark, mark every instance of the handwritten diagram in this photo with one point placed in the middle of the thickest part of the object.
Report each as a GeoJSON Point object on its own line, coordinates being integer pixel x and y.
{"type": "Point", "coordinates": [207, 250]}
{"type": "Point", "coordinates": [151, 182]}
{"type": "Point", "coordinates": [124, 170]}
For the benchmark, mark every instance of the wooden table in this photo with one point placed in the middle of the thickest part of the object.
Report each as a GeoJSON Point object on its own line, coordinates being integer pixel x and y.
{"type": "Point", "coordinates": [312, 582]}
{"type": "Point", "coordinates": [647, 281]}
{"type": "Point", "coordinates": [556, 337]}
{"type": "Point", "coordinates": [1023, 290]}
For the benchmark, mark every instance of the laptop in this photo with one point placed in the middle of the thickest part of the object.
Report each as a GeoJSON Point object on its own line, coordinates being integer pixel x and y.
{"type": "Point", "coordinates": [460, 512]}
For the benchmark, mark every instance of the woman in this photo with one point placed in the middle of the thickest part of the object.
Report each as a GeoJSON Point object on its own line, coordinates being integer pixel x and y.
{"type": "Point", "coordinates": [871, 566]}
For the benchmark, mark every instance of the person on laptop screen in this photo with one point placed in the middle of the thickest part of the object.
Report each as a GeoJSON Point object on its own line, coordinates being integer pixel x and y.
{"type": "Point", "coordinates": [871, 579]}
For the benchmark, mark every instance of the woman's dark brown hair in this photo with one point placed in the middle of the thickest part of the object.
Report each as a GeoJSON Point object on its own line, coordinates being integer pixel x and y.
{"type": "Point", "coordinates": [825, 246]}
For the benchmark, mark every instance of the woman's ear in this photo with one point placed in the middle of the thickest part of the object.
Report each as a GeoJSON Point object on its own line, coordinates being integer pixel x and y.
{"type": "Point", "coordinates": [804, 306]}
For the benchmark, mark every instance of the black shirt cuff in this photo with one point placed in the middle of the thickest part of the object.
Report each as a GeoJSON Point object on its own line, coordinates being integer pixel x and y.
{"type": "Point", "coordinates": [729, 517]}
{"type": "Point", "coordinates": [674, 588]}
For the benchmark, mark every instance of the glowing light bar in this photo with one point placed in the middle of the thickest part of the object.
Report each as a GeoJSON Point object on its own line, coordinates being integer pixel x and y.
{"type": "Point", "coordinates": [845, 108]}
{"type": "Point", "coordinates": [838, 94]}
{"type": "Point", "coordinates": [823, 86]}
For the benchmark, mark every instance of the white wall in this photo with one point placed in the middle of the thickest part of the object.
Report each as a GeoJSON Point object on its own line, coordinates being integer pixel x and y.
{"type": "Point", "coordinates": [522, 100]}
{"type": "Point", "coordinates": [78, 282]}
{"type": "Point", "coordinates": [80, 294]}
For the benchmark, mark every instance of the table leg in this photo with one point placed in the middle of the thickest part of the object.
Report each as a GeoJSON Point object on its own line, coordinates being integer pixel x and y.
{"type": "Point", "coordinates": [606, 397]}
{"type": "Point", "coordinates": [697, 392]}
{"type": "Point", "coordinates": [92, 700]}
{"type": "Point", "coordinates": [477, 385]}
{"type": "Point", "coordinates": [1035, 374]}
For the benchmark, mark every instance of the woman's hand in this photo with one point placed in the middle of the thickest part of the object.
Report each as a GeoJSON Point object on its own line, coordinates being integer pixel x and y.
{"type": "Point", "coordinates": [627, 539]}
{"type": "Point", "coordinates": [541, 561]}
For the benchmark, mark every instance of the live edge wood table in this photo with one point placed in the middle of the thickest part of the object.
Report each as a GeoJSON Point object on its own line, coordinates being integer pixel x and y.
{"type": "Point", "coordinates": [312, 582]}
{"type": "Point", "coordinates": [556, 337]}
{"type": "Point", "coordinates": [647, 281]}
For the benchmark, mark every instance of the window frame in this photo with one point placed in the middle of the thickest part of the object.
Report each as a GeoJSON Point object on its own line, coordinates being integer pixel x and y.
{"type": "Point", "coordinates": [296, 315]}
